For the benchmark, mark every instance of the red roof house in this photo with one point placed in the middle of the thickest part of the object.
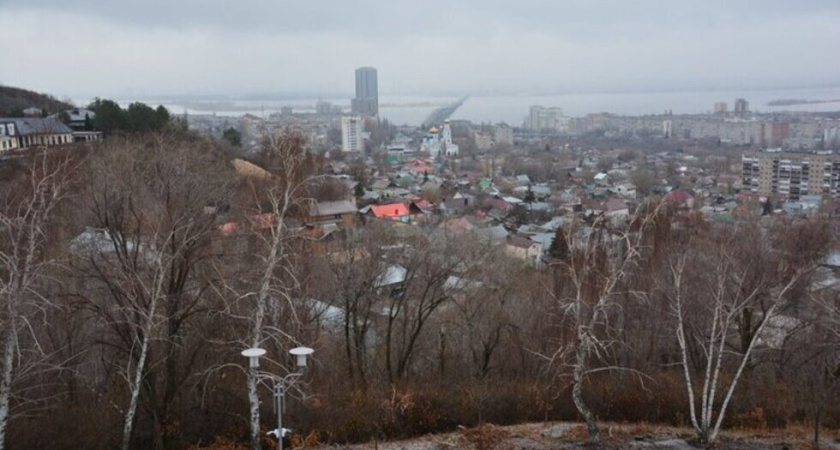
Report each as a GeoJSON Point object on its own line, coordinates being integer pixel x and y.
{"type": "Point", "coordinates": [393, 211]}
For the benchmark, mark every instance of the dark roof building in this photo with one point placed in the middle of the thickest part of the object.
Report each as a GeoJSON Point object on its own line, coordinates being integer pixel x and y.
{"type": "Point", "coordinates": [30, 132]}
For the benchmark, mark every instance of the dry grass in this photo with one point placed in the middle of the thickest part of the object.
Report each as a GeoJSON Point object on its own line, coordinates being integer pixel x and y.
{"type": "Point", "coordinates": [222, 443]}
{"type": "Point", "coordinates": [486, 437]}
{"type": "Point", "coordinates": [613, 436]}
{"type": "Point", "coordinates": [576, 434]}
{"type": "Point", "coordinates": [311, 440]}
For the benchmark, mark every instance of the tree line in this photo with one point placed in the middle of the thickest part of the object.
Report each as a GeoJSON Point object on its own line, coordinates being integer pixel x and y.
{"type": "Point", "coordinates": [138, 117]}
{"type": "Point", "coordinates": [132, 273]}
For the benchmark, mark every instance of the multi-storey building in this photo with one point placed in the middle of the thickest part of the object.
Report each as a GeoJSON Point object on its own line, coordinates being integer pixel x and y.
{"type": "Point", "coordinates": [791, 175]}
{"type": "Point", "coordinates": [503, 134]}
{"type": "Point", "coordinates": [773, 134]}
{"type": "Point", "coordinates": [366, 102]}
{"type": "Point", "coordinates": [352, 134]}
{"type": "Point", "coordinates": [720, 108]}
{"type": "Point", "coordinates": [831, 137]}
{"type": "Point", "coordinates": [667, 129]}
{"type": "Point", "coordinates": [325, 108]}
{"type": "Point", "coordinates": [542, 118]}
{"type": "Point", "coordinates": [483, 140]}
{"type": "Point", "coordinates": [742, 107]}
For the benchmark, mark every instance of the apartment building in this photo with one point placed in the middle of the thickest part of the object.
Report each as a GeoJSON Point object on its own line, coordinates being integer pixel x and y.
{"type": "Point", "coordinates": [352, 134]}
{"type": "Point", "coordinates": [791, 175]}
{"type": "Point", "coordinates": [541, 118]}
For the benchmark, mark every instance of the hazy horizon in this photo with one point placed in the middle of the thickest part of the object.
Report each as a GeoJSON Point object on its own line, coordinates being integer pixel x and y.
{"type": "Point", "coordinates": [331, 96]}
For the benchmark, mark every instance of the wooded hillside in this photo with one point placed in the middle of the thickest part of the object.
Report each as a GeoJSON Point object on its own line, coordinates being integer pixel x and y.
{"type": "Point", "coordinates": [14, 100]}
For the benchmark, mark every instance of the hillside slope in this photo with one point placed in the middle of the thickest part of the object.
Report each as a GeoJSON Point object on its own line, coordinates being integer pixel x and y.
{"type": "Point", "coordinates": [615, 436]}
{"type": "Point", "coordinates": [12, 99]}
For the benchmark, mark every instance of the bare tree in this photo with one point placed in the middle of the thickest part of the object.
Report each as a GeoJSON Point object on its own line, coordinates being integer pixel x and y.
{"type": "Point", "coordinates": [349, 277]}
{"type": "Point", "coordinates": [26, 213]}
{"type": "Point", "coordinates": [710, 291]}
{"type": "Point", "coordinates": [151, 232]}
{"type": "Point", "coordinates": [265, 302]}
{"type": "Point", "coordinates": [487, 299]}
{"type": "Point", "coordinates": [588, 286]}
{"type": "Point", "coordinates": [424, 264]}
{"type": "Point", "coordinates": [816, 357]}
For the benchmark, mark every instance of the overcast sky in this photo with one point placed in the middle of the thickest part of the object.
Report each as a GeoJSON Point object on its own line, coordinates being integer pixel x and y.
{"type": "Point", "coordinates": [82, 48]}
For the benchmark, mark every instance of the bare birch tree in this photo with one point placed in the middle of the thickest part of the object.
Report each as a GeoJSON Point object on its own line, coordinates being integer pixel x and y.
{"type": "Point", "coordinates": [151, 229]}
{"type": "Point", "coordinates": [814, 355]}
{"type": "Point", "coordinates": [266, 301]}
{"type": "Point", "coordinates": [710, 290]}
{"type": "Point", "coordinates": [601, 256]}
{"type": "Point", "coordinates": [26, 211]}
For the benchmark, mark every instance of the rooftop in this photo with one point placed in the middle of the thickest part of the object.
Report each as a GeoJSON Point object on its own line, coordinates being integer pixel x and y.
{"type": "Point", "coordinates": [320, 209]}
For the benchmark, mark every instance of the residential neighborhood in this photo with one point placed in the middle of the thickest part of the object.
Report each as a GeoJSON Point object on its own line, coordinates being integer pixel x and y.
{"type": "Point", "coordinates": [419, 225]}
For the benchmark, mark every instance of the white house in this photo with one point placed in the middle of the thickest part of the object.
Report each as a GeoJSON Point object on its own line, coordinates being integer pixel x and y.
{"type": "Point", "coordinates": [626, 190]}
{"type": "Point", "coordinates": [602, 179]}
{"type": "Point", "coordinates": [31, 132]}
{"type": "Point", "coordinates": [525, 249]}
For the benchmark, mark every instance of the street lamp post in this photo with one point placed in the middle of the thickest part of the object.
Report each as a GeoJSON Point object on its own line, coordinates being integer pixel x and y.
{"type": "Point", "coordinates": [279, 384]}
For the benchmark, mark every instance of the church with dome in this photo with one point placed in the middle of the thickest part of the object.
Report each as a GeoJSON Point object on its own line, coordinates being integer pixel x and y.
{"type": "Point", "coordinates": [439, 143]}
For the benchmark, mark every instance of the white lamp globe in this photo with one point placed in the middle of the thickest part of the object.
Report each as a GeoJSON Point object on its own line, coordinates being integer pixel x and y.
{"type": "Point", "coordinates": [300, 354]}
{"type": "Point", "coordinates": [253, 355]}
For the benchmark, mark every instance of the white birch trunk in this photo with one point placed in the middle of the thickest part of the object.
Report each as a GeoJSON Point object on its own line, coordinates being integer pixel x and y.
{"type": "Point", "coordinates": [137, 383]}
{"type": "Point", "coordinates": [711, 419]}
{"type": "Point", "coordinates": [744, 360]}
{"type": "Point", "coordinates": [24, 229]}
{"type": "Point", "coordinates": [577, 390]}
{"type": "Point", "coordinates": [6, 383]}
{"type": "Point", "coordinates": [282, 199]}
{"type": "Point", "coordinates": [681, 340]}
{"type": "Point", "coordinates": [254, 401]}
{"type": "Point", "coordinates": [259, 316]}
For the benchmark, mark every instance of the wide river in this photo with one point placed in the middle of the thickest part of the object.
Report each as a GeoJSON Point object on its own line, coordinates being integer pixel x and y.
{"type": "Point", "coordinates": [512, 109]}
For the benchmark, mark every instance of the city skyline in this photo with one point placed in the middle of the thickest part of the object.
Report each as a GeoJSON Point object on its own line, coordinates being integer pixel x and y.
{"type": "Point", "coordinates": [434, 48]}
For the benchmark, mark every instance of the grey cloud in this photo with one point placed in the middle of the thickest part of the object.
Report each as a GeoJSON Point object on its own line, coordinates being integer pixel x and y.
{"type": "Point", "coordinates": [430, 46]}
{"type": "Point", "coordinates": [384, 18]}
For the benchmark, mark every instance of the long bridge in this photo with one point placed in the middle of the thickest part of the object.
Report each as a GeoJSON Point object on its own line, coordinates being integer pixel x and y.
{"type": "Point", "coordinates": [439, 115]}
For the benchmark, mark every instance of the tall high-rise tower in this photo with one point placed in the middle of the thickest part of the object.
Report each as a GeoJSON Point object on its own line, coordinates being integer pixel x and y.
{"type": "Point", "coordinates": [742, 107]}
{"type": "Point", "coordinates": [366, 102]}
